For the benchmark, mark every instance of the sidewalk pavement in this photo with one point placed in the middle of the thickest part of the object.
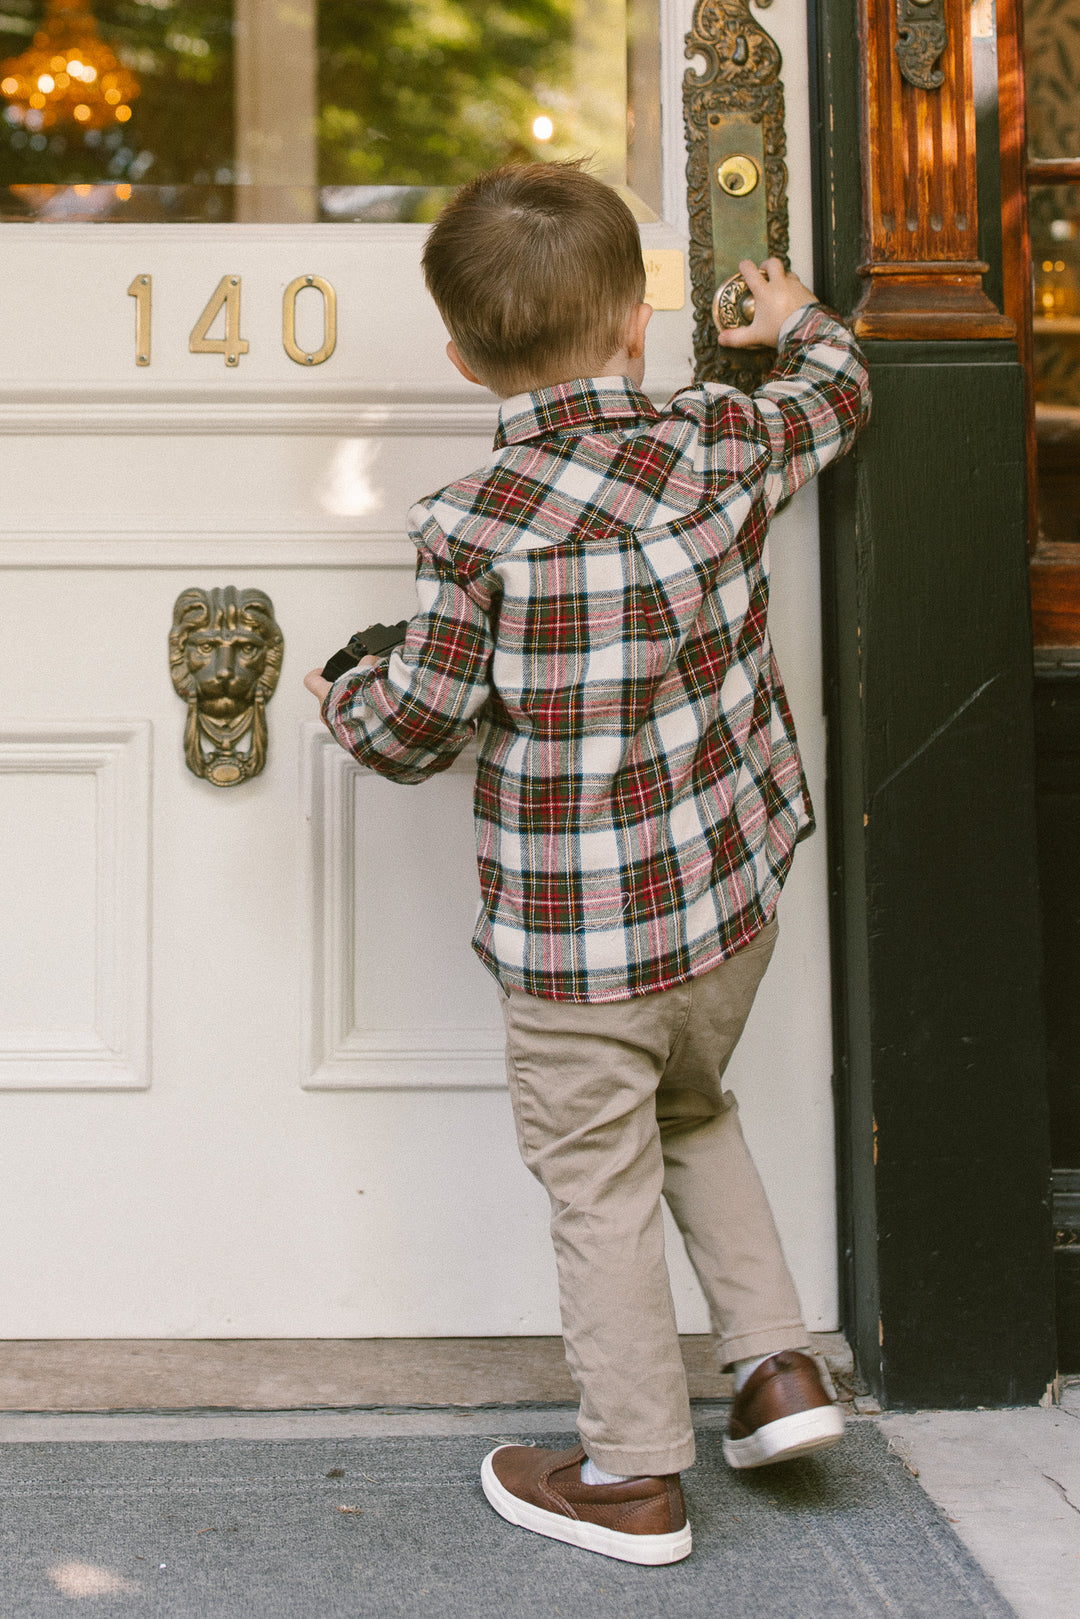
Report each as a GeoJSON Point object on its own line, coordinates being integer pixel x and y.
{"type": "Point", "coordinates": [1009, 1483]}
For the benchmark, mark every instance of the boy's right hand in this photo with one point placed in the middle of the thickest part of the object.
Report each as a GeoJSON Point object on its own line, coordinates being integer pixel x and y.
{"type": "Point", "coordinates": [777, 294]}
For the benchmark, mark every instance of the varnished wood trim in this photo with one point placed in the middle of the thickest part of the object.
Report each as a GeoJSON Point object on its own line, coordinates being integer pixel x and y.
{"type": "Point", "coordinates": [919, 146]}
{"type": "Point", "coordinates": [928, 302]}
{"type": "Point", "coordinates": [1050, 170]}
{"type": "Point", "coordinates": [1055, 595]}
{"type": "Point", "coordinates": [972, 269]}
{"type": "Point", "coordinates": [1015, 235]}
{"type": "Point", "coordinates": [923, 275]}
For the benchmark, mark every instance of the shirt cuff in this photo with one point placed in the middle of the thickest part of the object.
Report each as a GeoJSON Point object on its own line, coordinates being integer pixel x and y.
{"type": "Point", "coordinates": [346, 674]}
{"type": "Point", "coordinates": [795, 320]}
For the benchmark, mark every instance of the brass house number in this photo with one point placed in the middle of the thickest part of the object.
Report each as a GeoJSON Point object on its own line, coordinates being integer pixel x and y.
{"type": "Point", "coordinates": [226, 296]}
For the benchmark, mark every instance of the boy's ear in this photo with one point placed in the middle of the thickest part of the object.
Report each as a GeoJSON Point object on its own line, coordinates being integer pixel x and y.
{"type": "Point", "coordinates": [636, 322]}
{"type": "Point", "coordinates": [455, 359]}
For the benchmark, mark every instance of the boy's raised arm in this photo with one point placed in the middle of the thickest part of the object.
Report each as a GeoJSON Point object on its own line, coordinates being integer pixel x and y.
{"type": "Point", "coordinates": [817, 397]}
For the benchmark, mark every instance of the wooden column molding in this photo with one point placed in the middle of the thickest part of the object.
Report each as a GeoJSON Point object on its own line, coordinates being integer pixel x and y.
{"type": "Point", "coordinates": [923, 273]}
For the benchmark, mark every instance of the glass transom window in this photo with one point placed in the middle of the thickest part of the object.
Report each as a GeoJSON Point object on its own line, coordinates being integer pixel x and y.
{"type": "Point", "coordinates": [319, 110]}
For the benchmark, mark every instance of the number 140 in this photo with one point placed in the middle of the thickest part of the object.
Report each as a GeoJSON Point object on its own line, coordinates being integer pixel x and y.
{"type": "Point", "coordinates": [226, 296]}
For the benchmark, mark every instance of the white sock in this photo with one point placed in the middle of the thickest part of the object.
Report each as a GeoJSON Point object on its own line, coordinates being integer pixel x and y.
{"type": "Point", "coordinates": [591, 1474]}
{"type": "Point", "coordinates": [743, 1368]}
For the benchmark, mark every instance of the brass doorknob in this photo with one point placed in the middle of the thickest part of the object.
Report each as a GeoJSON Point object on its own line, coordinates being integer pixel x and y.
{"type": "Point", "coordinates": [733, 304]}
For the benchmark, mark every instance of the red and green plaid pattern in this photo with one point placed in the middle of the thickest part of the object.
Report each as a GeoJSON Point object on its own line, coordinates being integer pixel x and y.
{"type": "Point", "coordinates": [592, 608]}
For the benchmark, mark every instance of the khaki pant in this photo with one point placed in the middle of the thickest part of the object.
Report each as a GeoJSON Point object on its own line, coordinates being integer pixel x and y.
{"type": "Point", "coordinates": [614, 1105]}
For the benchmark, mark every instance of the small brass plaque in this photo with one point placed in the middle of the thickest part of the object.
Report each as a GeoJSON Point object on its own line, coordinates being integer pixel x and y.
{"type": "Point", "coordinates": [665, 277]}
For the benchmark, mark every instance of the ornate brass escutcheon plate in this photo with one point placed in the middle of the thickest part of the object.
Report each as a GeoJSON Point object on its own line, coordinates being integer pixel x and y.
{"type": "Point", "coordinates": [923, 36]}
{"type": "Point", "coordinates": [733, 103]}
{"type": "Point", "coordinates": [225, 652]}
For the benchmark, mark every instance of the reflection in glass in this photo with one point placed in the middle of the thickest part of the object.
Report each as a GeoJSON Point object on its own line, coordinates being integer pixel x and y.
{"type": "Point", "coordinates": [1055, 251]}
{"type": "Point", "coordinates": [1052, 77]}
{"type": "Point", "coordinates": [68, 76]}
{"type": "Point", "coordinates": [1055, 247]}
{"type": "Point", "coordinates": [1052, 87]}
{"type": "Point", "coordinates": [1052, 81]}
{"type": "Point", "coordinates": [324, 109]}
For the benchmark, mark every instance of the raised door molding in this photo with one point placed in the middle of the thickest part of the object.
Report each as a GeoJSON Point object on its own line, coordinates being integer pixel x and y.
{"type": "Point", "coordinates": [95, 929]}
{"type": "Point", "coordinates": [267, 409]}
{"type": "Point", "coordinates": [392, 1001]}
{"type": "Point", "coordinates": [169, 549]}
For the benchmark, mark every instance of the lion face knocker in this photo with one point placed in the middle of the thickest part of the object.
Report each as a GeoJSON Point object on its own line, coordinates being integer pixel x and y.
{"type": "Point", "coordinates": [225, 651]}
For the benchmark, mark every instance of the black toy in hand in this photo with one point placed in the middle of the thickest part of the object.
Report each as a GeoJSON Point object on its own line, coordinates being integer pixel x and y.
{"type": "Point", "coordinates": [377, 638]}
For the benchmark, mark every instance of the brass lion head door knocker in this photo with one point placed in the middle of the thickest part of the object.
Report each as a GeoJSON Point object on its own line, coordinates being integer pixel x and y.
{"type": "Point", "coordinates": [225, 651]}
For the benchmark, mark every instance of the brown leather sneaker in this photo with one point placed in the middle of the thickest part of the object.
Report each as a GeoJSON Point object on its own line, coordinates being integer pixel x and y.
{"type": "Point", "coordinates": [641, 1521]}
{"type": "Point", "coordinates": [782, 1410]}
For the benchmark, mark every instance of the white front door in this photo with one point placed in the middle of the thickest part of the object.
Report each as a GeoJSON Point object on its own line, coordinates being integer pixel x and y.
{"type": "Point", "coordinates": [250, 1072]}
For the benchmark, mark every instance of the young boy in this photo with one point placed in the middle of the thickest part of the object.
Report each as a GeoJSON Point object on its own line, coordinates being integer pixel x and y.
{"type": "Point", "coordinates": [592, 609]}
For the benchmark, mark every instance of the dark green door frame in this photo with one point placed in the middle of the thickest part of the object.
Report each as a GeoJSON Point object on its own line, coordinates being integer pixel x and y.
{"type": "Point", "coordinates": [943, 1153]}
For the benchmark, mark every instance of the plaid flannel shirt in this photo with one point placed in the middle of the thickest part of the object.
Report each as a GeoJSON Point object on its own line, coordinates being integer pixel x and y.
{"type": "Point", "coordinates": [592, 608]}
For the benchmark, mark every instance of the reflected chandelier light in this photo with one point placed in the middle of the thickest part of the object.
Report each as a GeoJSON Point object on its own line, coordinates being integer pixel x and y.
{"type": "Point", "coordinates": [68, 75]}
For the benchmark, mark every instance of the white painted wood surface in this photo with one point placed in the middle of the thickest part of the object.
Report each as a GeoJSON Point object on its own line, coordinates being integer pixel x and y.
{"type": "Point", "coordinates": [312, 1138]}
{"type": "Point", "coordinates": [75, 827]}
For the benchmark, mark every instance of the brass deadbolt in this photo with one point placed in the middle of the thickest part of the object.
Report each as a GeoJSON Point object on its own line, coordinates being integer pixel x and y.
{"type": "Point", "coordinates": [737, 175]}
{"type": "Point", "coordinates": [733, 304]}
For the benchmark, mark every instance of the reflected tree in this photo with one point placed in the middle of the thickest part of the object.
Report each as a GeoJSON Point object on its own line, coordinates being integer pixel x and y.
{"type": "Point", "coordinates": [430, 92]}
{"type": "Point", "coordinates": [411, 92]}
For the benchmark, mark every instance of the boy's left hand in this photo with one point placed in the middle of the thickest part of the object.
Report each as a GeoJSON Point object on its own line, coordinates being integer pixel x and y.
{"type": "Point", "coordinates": [315, 684]}
{"type": "Point", "coordinates": [319, 687]}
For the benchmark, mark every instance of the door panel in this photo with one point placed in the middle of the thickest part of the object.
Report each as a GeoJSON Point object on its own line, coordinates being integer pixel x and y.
{"type": "Point", "coordinates": [75, 824]}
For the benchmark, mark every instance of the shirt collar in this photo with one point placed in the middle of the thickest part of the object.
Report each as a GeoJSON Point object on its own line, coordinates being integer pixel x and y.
{"type": "Point", "coordinates": [571, 407]}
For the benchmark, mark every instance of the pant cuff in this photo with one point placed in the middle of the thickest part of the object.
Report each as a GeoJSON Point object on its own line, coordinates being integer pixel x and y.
{"type": "Point", "coordinates": [770, 1341]}
{"type": "Point", "coordinates": [638, 1463]}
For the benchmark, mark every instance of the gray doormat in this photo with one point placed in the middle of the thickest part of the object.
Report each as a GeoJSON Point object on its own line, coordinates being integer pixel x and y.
{"type": "Point", "coordinates": [317, 1529]}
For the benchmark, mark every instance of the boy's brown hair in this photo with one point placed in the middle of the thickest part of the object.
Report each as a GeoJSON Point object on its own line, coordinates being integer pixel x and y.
{"type": "Point", "coordinates": [534, 268]}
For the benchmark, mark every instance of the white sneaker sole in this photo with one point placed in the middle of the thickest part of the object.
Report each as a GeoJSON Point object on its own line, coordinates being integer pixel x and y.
{"type": "Point", "coordinates": [591, 1537]}
{"type": "Point", "coordinates": [779, 1441]}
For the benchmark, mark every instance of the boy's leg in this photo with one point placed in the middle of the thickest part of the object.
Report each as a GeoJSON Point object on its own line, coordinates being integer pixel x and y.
{"type": "Point", "coordinates": [583, 1083]}
{"type": "Point", "coordinates": [781, 1408]}
{"type": "Point", "coordinates": [710, 1182]}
